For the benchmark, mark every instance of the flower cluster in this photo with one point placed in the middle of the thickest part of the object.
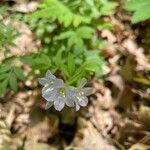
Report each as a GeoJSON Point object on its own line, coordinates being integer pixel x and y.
{"type": "Point", "coordinates": [59, 94]}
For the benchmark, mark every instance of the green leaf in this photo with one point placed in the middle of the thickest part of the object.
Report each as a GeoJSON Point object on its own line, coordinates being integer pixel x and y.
{"type": "Point", "coordinates": [64, 70]}
{"type": "Point", "coordinates": [134, 5]}
{"type": "Point", "coordinates": [50, 28]}
{"type": "Point", "coordinates": [41, 62]}
{"type": "Point", "coordinates": [71, 64]}
{"type": "Point", "coordinates": [55, 9]}
{"type": "Point", "coordinates": [141, 9]}
{"type": "Point", "coordinates": [93, 67]}
{"type": "Point", "coordinates": [65, 35]}
{"type": "Point", "coordinates": [4, 68]}
{"type": "Point", "coordinates": [39, 32]}
{"type": "Point", "coordinates": [93, 61]}
{"type": "Point", "coordinates": [46, 58]}
{"type": "Point", "coordinates": [72, 40]}
{"type": "Point", "coordinates": [3, 86]}
{"type": "Point", "coordinates": [47, 40]}
{"type": "Point", "coordinates": [79, 46]}
{"type": "Point", "coordinates": [13, 82]}
{"type": "Point", "coordinates": [77, 75]}
{"type": "Point", "coordinates": [67, 20]}
{"type": "Point", "coordinates": [141, 15]}
{"type": "Point", "coordinates": [108, 8]}
{"type": "Point", "coordinates": [77, 21]}
{"type": "Point", "coordinates": [19, 73]}
{"type": "Point", "coordinates": [3, 76]}
{"type": "Point", "coordinates": [27, 60]}
{"type": "Point", "coordinates": [85, 32]}
{"type": "Point", "coordinates": [58, 58]}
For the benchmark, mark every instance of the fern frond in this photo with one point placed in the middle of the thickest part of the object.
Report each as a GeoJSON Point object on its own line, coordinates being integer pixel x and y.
{"type": "Point", "coordinates": [54, 9]}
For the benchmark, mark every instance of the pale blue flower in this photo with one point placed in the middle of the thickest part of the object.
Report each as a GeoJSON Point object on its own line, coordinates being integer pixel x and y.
{"type": "Point", "coordinates": [52, 91]}
{"type": "Point", "coordinates": [57, 93]}
{"type": "Point", "coordinates": [58, 103]}
{"type": "Point", "coordinates": [78, 96]}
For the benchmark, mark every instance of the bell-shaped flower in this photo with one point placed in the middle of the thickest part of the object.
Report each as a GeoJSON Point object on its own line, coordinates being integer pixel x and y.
{"type": "Point", "coordinates": [59, 102]}
{"type": "Point", "coordinates": [52, 91]}
{"type": "Point", "coordinates": [48, 79]}
{"type": "Point", "coordinates": [78, 96]}
{"type": "Point", "coordinates": [57, 93]}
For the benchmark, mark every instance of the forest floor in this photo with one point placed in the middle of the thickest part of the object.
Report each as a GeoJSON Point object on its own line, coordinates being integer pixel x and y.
{"type": "Point", "coordinates": [118, 114]}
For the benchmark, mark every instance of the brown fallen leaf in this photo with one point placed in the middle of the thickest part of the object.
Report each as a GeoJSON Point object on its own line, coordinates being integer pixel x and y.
{"type": "Point", "coordinates": [41, 126]}
{"type": "Point", "coordinates": [88, 138]}
{"type": "Point", "coordinates": [125, 98]}
{"type": "Point", "coordinates": [30, 145]}
{"type": "Point", "coordinates": [143, 94]}
{"type": "Point", "coordinates": [117, 81]}
{"type": "Point", "coordinates": [143, 63]}
{"type": "Point", "coordinates": [109, 35]}
{"type": "Point", "coordinates": [128, 134]}
{"type": "Point", "coordinates": [144, 116]}
{"type": "Point", "coordinates": [139, 146]}
{"type": "Point", "coordinates": [7, 140]}
{"type": "Point", "coordinates": [128, 69]}
{"type": "Point", "coordinates": [145, 139]}
{"type": "Point", "coordinates": [26, 39]}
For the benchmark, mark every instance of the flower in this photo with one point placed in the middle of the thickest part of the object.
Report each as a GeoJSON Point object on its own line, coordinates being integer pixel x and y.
{"type": "Point", "coordinates": [52, 91]}
{"type": "Point", "coordinates": [58, 103]}
{"type": "Point", "coordinates": [79, 95]}
{"type": "Point", "coordinates": [57, 93]}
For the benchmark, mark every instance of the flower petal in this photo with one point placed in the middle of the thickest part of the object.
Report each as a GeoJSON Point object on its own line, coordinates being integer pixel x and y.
{"type": "Point", "coordinates": [76, 101]}
{"type": "Point", "coordinates": [58, 84]}
{"type": "Point", "coordinates": [87, 91]}
{"type": "Point", "coordinates": [59, 104]}
{"type": "Point", "coordinates": [46, 88]}
{"type": "Point", "coordinates": [82, 83]}
{"type": "Point", "coordinates": [77, 106]}
{"type": "Point", "coordinates": [69, 101]}
{"type": "Point", "coordinates": [48, 105]}
{"type": "Point", "coordinates": [50, 95]}
{"type": "Point", "coordinates": [69, 93]}
{"type": "Point", "coordinates": [83, 102]}
{"type": "Point", "coordinates": [50, 76]}
{"type": "Point", "coordinates": [43, 81]}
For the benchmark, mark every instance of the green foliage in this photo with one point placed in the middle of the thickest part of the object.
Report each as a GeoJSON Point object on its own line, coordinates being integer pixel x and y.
{"type": "Point", "coordinates": [91, 9]}
{"type": "Point", "coordinates": [37, 61]}
{"type": "Point", "coordinates": [75, 39]}
{"type": "Point", "coordinates": [7, 36]}
{"type": "Point", "coordinates": [141, 9]}
{"type": "Point", "coordinates": [9, 76]}
{"type": "Point", "coordinates": [58, 36]}
{"type": "Point", "coordinates": [68, 31]}
{"type": "Point", "coordinates": [54, 9]}
{"type": "Point", "coordinates": [3, 10]}
{"type": "Point", "coordinates": [7, 32]}
{"type": "Point", "coordinates": [62, 11]}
